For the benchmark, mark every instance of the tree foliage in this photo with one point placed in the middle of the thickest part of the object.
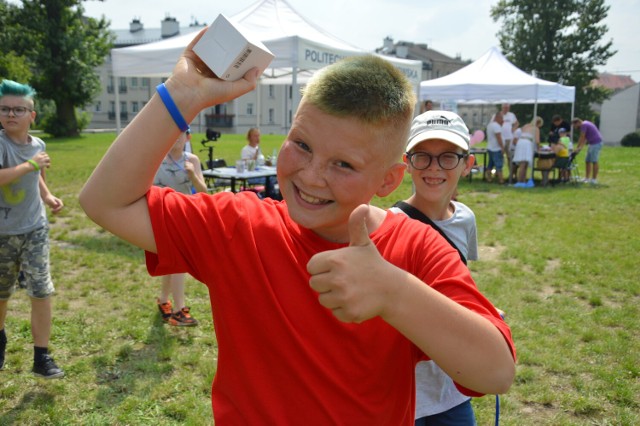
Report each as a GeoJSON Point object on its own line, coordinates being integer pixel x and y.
{"type": "Point", "coordinates": [562, 41]}
{"type": "Point", "coordinates": [62, 48]}
{"type": "Point", "coordinates": [12, 65]}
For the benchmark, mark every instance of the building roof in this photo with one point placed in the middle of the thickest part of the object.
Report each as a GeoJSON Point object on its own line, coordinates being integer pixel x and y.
{"type": "Point", "coordinates": [613, 81]}
{"type": "Point", "coordinates": [417, 51]}
{"type": "Point", "coordinates": [136, 33]}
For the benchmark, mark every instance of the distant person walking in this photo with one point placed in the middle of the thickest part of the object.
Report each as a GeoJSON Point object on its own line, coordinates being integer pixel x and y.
{"type": "Point", "coordinates": [589, 134]}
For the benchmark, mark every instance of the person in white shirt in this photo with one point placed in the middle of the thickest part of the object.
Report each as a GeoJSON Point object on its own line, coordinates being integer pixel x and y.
{"type": "Point", "coordinates": [509, 125]}
{"type": "Point", "coordinates": [495, 148]}
{"type": "Point", "coordinates": [251, 151]}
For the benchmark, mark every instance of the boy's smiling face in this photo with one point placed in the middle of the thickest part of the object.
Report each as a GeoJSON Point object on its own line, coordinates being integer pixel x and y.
{"type": "Point", "coordinates": [434, 184]}
{"type": "Point", "coordinates": [329, 165]}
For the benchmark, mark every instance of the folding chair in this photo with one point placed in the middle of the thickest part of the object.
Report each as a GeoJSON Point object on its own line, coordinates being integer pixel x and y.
{"type": "Point", "coordinates": [572, 168]}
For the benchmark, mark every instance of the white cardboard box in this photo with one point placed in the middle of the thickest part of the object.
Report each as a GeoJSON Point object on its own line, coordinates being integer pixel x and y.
{"type": "Point", "coordinates": [229, 53]}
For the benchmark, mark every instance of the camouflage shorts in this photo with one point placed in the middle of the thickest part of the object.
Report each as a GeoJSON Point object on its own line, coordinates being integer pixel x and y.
{"type": "Point", "coordinates": [26, 255]}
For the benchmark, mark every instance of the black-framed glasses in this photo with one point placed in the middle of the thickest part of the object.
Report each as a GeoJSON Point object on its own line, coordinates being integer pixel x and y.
{"type": "Point", "coordinates": [18, 111]}
{"type": "Point", "coordinates": [447, 160]}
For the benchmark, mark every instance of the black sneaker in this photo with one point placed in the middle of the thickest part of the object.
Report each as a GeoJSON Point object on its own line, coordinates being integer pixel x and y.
{"type": "Point", "coordinates": [47, 368]}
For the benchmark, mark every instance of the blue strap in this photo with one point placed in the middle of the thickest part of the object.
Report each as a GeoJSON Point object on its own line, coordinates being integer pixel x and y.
{"type": "Point", "coordinates": [497, 410]}
{"type": "Point", "coordinates": [171, 107]}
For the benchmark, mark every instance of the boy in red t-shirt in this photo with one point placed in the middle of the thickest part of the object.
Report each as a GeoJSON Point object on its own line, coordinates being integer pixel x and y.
{"type": "Point", "coordinates": [319, 301]}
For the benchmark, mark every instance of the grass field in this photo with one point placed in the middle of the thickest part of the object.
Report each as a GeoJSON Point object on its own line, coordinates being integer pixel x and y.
{"type": "Point", "coordinates": [561, 261]}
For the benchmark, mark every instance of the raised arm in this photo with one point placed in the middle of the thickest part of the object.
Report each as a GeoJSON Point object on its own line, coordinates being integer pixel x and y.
{"type": "Point", "coordinates": [114, 195]}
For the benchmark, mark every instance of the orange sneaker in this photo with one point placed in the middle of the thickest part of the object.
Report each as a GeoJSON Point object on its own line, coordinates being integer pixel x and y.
{"type": "Point", "coordinates": [182, 318]}
{"type": "Point", "coordinates": [165, 309]}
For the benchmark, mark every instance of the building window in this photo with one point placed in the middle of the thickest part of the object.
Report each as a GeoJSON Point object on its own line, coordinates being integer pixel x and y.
{"type": "Point", "coordinates": [145, 82]}
{"type": "Point", "coordinates": [123, 106]}
{"type": "Point", "coordinates": [98, 106]}
{"type": "Point", "coordinates": [271, 91]}
{"type": "Point", "coordinates": [134, 81]}
{"type": "Point", "coordinates": [271, 115]}
{"type": "Point", "coordinates": [122, 85]}
{"type": "Point", "coordinates": [249, 109]}
{"type": "Point", "coordinates": [134, 106]}
{"type": "Point", "coordinates": [112, 106]}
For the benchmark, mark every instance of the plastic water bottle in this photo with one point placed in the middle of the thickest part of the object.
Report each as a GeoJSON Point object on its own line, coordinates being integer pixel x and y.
{"type": "Point", "coordinates": [274, 157]}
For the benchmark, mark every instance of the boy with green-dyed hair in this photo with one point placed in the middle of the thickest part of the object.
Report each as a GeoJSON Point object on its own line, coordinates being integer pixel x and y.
{"type": "Point", "coordinates": [9, 87]}
{"type": "Point", "coordinates": [319, 298]}
{"type": "Point", "coordinates": [370, 90]}
{"type": "Point", "coordinates": [24, 231]}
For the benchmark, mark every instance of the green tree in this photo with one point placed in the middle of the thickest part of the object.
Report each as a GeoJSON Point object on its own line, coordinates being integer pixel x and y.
{"type": "Point", "coordinates": [562, 41]}
{"type": "Point", "coordinates": [12, 65]}
{"type": "Point", "coordinates": [62, 48]}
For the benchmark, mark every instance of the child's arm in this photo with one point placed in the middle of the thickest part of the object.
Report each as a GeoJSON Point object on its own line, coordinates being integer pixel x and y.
{"type": "Point", "coordinates": [358, 284]}
{"type": "Point", "coordinates": [581, 141]}
{"type": "Point", "coordinates": [54, 203]}
{"type": "Point", "coordinates": [114, 195]}
{"type": "Point", "coordinates": [193, 169]}
{"type": "Point", "coordinates": [8, 175]}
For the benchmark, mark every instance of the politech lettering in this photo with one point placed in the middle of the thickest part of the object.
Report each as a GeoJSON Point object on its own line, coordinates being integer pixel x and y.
{"type": "Point", "coordinates": [320, 57]}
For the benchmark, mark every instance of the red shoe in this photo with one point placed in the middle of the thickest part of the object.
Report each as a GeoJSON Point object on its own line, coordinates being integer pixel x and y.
{"type": "Point", "coordinates": [182, 318]}
{"type": "Point", "coordinates": [165, 309]}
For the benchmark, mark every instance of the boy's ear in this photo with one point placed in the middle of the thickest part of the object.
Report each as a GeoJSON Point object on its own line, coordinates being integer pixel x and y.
{"type": "Point", "coordinates": [471, 160]}
{"type": "Point", "coordinates": [392, 179]}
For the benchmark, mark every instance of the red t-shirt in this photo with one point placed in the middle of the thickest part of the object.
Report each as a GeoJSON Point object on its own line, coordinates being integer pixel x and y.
{"type": "Point", "coordinates": [283, 358]}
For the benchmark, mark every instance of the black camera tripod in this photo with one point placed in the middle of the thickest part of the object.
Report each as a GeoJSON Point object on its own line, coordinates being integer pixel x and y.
{"type": "Point", "coordinates": [211, 136]}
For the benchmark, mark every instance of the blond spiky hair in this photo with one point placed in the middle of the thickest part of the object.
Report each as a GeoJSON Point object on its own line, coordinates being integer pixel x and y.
{"type": "Point", "coordinates": [364, 87]}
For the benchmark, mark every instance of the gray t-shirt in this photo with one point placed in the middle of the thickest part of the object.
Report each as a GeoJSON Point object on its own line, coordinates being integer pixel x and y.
{"type": "Point", "coordinates": [172, 174]}
{"type": "Point", "coordinates": [21, 208]}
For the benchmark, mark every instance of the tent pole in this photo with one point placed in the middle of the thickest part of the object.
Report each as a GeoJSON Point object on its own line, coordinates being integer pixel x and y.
{"type": "Point", "coordinates": [258, 103]}
{"type": "Point", "coordinates": [573, 104]}
{"type": "Point", "coordinates": [535, 113]}
{"type": "Point", "coordinates": [295, 97]}
{"type": "Point", "coordinates": [116, 89]}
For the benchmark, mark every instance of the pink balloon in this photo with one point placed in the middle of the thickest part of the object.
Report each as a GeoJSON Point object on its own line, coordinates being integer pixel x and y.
{"type": "Point", "coordinates": [478, 136]}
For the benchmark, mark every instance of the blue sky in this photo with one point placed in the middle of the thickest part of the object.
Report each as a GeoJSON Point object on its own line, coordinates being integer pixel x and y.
{"type": "Point", "coordinates": [452, 27]}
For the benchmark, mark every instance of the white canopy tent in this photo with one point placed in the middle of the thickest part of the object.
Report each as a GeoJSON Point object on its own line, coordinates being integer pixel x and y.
{"type": "Point", "coordinates": [492, 79]}
{"type": "Point", "coordinates": [298, 45]}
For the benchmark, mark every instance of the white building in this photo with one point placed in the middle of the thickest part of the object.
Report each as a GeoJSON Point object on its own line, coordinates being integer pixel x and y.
{"type": "Point", "coordinates": [620, 115]}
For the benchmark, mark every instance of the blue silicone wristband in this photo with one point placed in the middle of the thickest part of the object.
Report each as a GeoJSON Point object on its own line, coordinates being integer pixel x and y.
{"type": "Point", "coordinates": [171, 107]}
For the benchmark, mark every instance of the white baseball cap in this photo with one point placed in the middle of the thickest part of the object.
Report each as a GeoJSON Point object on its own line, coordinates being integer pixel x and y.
{"type": "Point", "coordinates": [435, 124]}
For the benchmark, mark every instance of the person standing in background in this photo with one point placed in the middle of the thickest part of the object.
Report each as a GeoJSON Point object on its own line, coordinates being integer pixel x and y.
{"type": "Point", "coordinates": [426, 106]}
{"type": "Point", "coordinates": [589, 134]}
{"type": "Point", "coordinates": [509, 125]}
{"type": "Point", "coordinates": [557, 123]}
{"type": "Point", "coordinates": [437, 157]}
{"type": "Point", "coordinates": [181, 171]}
{"type": "Point", "coordinates": [495, 148]}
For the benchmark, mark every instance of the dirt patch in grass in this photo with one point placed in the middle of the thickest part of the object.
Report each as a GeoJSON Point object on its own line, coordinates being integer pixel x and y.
{"type": "Point", "coordinates": [490, 253]}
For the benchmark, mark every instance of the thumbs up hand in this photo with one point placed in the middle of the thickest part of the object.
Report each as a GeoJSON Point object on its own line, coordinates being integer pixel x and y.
{"type": "Point", "coordinates": [351, 280]}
